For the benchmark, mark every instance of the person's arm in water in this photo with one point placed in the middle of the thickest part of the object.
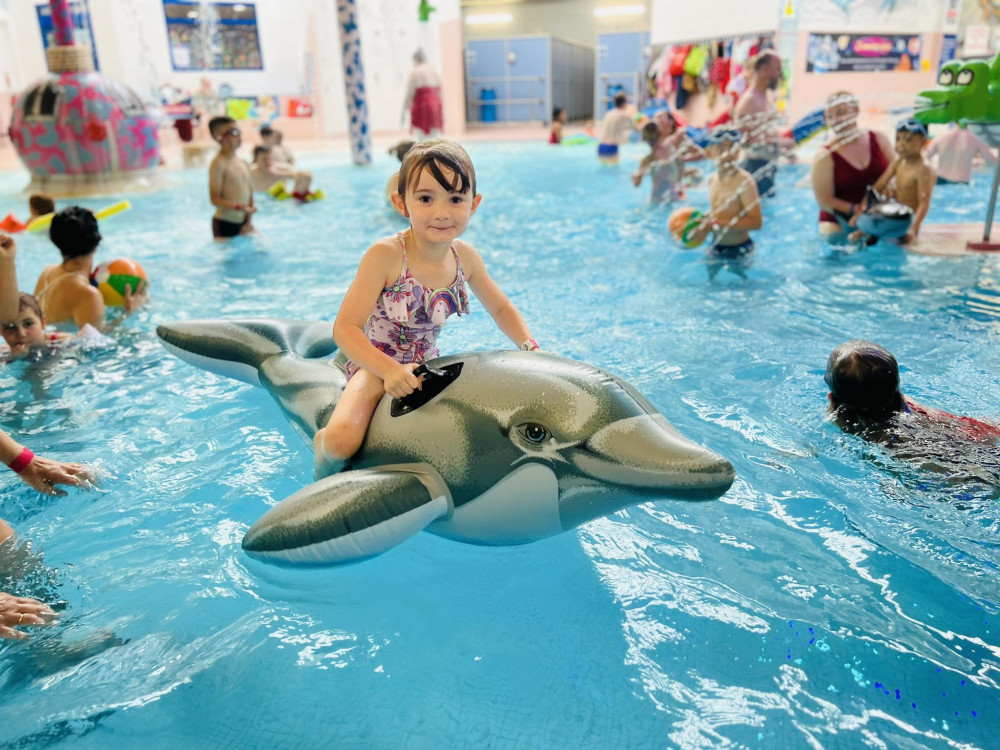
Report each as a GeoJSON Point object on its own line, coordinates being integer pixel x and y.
{"type": "Point", "coordinates": [42, 473]}
{"type": "Point", "coordinates": [500, 308]}
{"type": "Point", "coordinates": [8, 278]}
{"type": "Point", "coordinates": [925, 187]}
{"type": "Point", "coordinates": [883, 182]}
{"type": "Point", "coordinates": [348, 328]}
{"type": "Point", "coordinates": [824, 188]}
{"type": "Point", "coordinates": [641, 171]}
{"type": "Point", "coordinates": [982, 148]}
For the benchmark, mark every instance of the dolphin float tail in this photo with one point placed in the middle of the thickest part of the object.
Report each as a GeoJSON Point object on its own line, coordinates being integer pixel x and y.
{"type": "Point", "coordinates": [350, 517]}
{"type": "Point", "coordinates": [238, 348]}
{"type": "Point", "coordinates": [282, 356]}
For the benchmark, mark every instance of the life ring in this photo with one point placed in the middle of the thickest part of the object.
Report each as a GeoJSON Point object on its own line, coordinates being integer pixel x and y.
{"type": "Point", "coordinates": [537, 470]}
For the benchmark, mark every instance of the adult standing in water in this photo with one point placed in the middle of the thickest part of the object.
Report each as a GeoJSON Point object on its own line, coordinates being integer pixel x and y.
{"type": "Point", "coordinates": [845, 167]}
{"type": "Point", "coordinates": [423, 98]}
{"type": "Point", "coordinates": [756, 117]}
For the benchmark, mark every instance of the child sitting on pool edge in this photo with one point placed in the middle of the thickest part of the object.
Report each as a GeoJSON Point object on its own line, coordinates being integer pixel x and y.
{"type": "Point", "coordinates": [64, 291]}
{"type": "Point", "coordinates": [389, 321]}
{"type": "Point", "coordinates": [733, 197]}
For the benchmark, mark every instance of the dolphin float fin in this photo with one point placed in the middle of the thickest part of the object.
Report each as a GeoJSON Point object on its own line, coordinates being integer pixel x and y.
{"type": "Point", "coordinates": [350, 517]}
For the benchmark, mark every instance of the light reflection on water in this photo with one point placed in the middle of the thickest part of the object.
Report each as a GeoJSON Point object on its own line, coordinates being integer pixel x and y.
{"type": "Point", "coordinates": [790, 611]}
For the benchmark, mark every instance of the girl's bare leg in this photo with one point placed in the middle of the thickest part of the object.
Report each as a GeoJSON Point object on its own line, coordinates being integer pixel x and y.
{"type": "Point", "coordinates": [345, 431]}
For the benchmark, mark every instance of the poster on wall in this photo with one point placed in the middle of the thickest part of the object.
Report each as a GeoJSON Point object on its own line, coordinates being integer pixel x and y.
{"type": "Point", "coordinates": [81, 27]}
{"type": "Point", "coordinates": [864, 53]}
{"type": "Point", "coordinates": [212, 36]}
{"type": "Point", "coordinates": [882, 16]}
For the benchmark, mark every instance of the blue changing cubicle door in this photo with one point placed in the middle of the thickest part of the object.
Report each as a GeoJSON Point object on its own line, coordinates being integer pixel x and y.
{"type": "Point", "coordinates": [621, 66]}
{"type": "Point", "coordinates": [486, 68]}
{"type": "Point", "coordinates": [528, 77]}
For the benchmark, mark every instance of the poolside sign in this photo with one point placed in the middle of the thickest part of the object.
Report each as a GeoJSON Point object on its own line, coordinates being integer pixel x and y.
{"type": "Point", "coordinates": [863, 53]}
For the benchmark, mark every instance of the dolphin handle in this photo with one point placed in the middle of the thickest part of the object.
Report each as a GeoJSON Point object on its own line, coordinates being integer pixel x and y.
{"type": "Point", "coordinates": [435, 381]}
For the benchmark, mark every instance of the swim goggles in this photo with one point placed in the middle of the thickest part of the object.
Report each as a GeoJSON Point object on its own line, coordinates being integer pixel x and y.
{"type": "Point", "coordinates": [912, 125]}
{"type": "Point", "coordinates": [233, 132]}
{"type": "Point", "coordinates": [728, 134]}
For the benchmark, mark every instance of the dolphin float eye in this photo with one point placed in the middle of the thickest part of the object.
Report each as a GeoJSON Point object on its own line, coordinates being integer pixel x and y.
{"type": "Point", "coordinates": [534, 432]}
{"type": "Point", "coordinates": [965, 77]}
{"type": "Point", "coordinates": [946, 78]}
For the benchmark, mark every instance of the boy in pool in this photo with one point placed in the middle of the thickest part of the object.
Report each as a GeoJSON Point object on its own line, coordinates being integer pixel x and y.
{"type": "Point", "coordinates": [230, 186]}
{"type": "Point", "coordinates": [27, 330]}
{"type": "Point", "coordinates": [733, 197]}
{"type": "Point", "coordinates": [272, 138]}
{"type": "Point", "coordinates": [909, 179]}
{"type": "Point", "coordinates": [389, 321]}
{"type": "Point", "coordinates": [616, 128]}
{"type": "Point", "coordinates": [269, 176]}
{"type": "Point", "coordinates": [64, 291]}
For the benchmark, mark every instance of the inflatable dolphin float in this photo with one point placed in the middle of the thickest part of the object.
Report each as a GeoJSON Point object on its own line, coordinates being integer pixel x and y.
{"type": "Point", "coordinates": [883, 218]}
{"type": "Point", "coordinates": [500, 448]}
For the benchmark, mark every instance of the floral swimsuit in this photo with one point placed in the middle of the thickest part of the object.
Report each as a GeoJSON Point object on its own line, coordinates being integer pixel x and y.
{"type": "Point", "coordinates": [408, 317]}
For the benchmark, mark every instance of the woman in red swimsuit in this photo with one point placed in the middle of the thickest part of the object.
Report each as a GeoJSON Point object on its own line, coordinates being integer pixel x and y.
{"type": "Point", "coordinates": [845, 167]}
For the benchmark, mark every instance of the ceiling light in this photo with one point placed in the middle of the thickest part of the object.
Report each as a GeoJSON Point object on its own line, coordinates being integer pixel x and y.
{"type": "Point", "coordinates": [483, 18]}
{"type": "Point", "coordinates": [192, 14]}
{"type": "Point", "coordinates": [239, 7]}
{"type": "Point", "coordinates": [619, 10]}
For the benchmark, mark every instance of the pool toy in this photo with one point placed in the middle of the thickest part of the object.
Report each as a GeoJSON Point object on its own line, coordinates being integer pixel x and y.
{"type": "Point", "coordinates": [579, 140]}
{"type": "Point", "coordinates": [682, 224]}
{"type": "Point", "coordinates": [496, 448]}
{"type": "Point", "coordinates": [11, 225]}
{"type": "Point", "coordinates": [76, 130]}
{"type": "Point", "coordinates": [885, 220]}
{"type": "Point", "coordinates": [425, 10]}
{"type": "Point", "coordinates": [807, 126]}
{"type": "Point", "coordinates": [40, 223]}
{"type": "Point", "coordinates": [111, 277]}
{"type": "Point", "coordinates": [968, 91]}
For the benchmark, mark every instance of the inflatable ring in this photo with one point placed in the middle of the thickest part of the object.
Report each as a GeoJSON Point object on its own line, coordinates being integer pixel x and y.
{"type": "Point", "coordinates": [537, 470]}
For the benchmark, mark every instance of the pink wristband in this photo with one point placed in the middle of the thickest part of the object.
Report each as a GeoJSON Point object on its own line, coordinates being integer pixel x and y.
{"type": "Point", "coordinates": [20, 463]}
{"type": "Point", "coordinates": [529, 345]}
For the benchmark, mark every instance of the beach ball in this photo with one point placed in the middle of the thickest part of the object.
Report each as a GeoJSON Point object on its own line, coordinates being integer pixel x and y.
{"type": "Point", "coordinates": [682, 223]}
{"type": "Point", "coordinates": [110, 278]}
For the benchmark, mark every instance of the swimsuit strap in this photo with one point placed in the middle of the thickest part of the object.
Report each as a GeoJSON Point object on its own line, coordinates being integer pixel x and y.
{"type": "Point", "coordinates": [404, 271]}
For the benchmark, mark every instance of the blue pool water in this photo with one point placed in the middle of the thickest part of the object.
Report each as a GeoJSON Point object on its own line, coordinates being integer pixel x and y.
{"type": "Point", "coordinates": [832, 598]}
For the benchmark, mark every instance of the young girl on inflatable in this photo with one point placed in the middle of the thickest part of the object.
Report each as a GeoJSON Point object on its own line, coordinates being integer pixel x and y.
{"type": "Point", "coordinates": [405, 289]}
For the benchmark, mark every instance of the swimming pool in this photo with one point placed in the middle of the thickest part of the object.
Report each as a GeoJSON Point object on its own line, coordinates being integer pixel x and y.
{"type": "Point", "coordinates": [826, 599]}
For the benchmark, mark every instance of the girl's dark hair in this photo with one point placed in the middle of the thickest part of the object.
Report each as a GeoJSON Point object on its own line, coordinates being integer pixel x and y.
{"type": "Point", "coordinates": [864, 379]}
{"type": "Point", "coordinates": [556, 111]}
{"type": "Point", "coordinates": [432, 155]}
{"type": "Point", "coordinates": [74, 231]}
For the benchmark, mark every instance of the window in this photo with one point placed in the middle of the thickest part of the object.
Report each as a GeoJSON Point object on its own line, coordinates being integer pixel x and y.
{"type": "Point", "coordinates": [42, 102]}
{"type": "Point", "coordinates": [212, 36]}
{"type": "Point", "coordinates": [81, 27]}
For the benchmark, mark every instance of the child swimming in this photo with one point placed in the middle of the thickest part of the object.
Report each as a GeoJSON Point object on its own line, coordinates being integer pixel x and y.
{"type": "Point", "coordinates": [405, 289]}
{"type": "Point", "coordinates": [670, 148]}
{"type": "Point", "coordinates": [230, 186]}
{"type": "Point", "coordinates": [27, 330]}
{"type": "Point", "coordinates": [270, 175]}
